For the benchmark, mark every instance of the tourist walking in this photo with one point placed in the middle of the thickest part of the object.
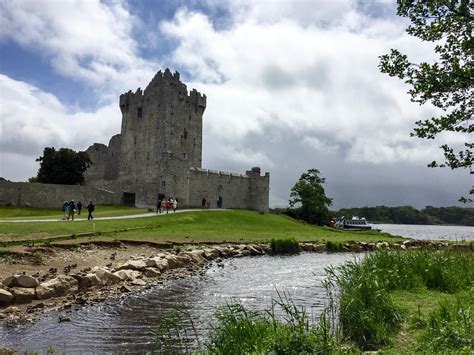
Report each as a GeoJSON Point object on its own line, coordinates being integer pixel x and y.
{"type": "Point", "coordinates": [79, 208]}
{"type": "Point", "coordinates": [158, 206]}
{"type": "Point", "coordinates": [167, 206]}
{"type": "Point", "coordinates": [72, 210]}
{"type": "Point", "coordinates": [175, 205]}
{"type": "Point", "coordinates": [90, 207]}
{"type": "Point", "coordinates": [65, 210]}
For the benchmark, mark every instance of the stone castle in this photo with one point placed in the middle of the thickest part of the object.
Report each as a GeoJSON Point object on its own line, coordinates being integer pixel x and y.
{"type": "Point", "coordinates": [159, 153]}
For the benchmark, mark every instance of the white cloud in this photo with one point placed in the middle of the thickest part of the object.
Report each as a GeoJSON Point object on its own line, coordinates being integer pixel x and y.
{"type": "Point", "coordinates": [32, 119]}
{"type": "Point", "coordinates": [88, 40]}
{"type": "Point", "coordinates": [316, 82]}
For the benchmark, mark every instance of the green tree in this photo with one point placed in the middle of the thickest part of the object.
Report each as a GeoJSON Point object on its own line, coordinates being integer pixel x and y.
{"type": "Point", "coordinates": [63, 166]}
{"type": "Point", "coordinates": [309, 192]}
{"type": "Point", "coordinates": [446, 83]}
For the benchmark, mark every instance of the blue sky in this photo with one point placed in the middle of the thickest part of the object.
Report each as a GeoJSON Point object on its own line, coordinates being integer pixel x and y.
{"type": "Point", "coordinates": [291, 85]}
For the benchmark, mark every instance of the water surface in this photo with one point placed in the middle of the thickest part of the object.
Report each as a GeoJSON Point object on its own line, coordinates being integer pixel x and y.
{"type": "Point", "coordinates": [429, 232]}
{"type": "Point", "coordinates": [127, 324]}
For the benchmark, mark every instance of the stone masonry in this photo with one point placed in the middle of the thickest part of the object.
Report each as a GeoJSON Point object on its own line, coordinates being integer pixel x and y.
{"type": "Point", "coordinates": [159, 151]}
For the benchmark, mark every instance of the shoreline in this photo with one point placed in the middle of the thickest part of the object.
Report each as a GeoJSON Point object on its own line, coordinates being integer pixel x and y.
{"type": "Point", "coordinates": [62, 281]}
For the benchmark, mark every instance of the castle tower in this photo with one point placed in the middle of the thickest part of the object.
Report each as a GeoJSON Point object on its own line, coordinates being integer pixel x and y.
{"type": "Point", "coordinates": [161, 132]}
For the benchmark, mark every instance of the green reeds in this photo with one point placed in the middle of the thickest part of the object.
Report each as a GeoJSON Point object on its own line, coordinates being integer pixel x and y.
{"type": "Point", "coordinates": [367, 314]}
{"type": "Point", "coordinates": [284, 246]}
{"type": "Point", "coordinates": [242, 331]}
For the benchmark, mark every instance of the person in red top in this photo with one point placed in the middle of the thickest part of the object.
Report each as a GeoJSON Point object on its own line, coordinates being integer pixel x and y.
{"type": "Point", "coordinates": [167, 206]}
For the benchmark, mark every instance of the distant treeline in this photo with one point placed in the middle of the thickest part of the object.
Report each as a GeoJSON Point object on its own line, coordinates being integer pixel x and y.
{"type": "Point", "coordinates": [462, 216]}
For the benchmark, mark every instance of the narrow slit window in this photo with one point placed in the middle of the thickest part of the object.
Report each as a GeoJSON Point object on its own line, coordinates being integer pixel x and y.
{"type": "Point", "coordinates": [139, 112]}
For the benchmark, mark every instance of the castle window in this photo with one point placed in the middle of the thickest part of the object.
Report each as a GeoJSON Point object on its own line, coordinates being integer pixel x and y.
{"type": "Point", "coordinates": [135, 140]}
{"type": "Point", "coordinates": [184, 155]}
{"type": "Point", "coordinates": [163, 183]}
{"type": "Point", "coordinates": [148, 156]}
{"type": "Point", "coordinates": [139, 112]}
{"type": "Point", "coordinates": [185, 134]}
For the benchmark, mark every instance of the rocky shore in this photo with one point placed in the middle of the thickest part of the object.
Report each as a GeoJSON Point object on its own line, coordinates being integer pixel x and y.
{"type": "Point", "coordinates": [24, 294]}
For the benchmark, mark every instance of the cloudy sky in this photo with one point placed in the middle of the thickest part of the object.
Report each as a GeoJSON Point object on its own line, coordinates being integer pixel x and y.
{"type": "Point", "coordinates": [291, 85]}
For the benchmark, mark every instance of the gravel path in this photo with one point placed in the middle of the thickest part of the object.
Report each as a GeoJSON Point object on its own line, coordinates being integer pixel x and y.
{"type": "Point", "coordinates": [149, 214]}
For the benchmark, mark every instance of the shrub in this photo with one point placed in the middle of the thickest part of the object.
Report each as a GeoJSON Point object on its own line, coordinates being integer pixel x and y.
{"type": "Point", "coordinates": [334, 247]}
{"type": "Point", "coordinates": [284, 246]}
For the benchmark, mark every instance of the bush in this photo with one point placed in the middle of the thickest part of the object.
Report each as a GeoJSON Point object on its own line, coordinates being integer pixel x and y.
{"type": "Point", "coordinates": [334, 247]}
{"type": "Point", "coordinates": [284, 246]}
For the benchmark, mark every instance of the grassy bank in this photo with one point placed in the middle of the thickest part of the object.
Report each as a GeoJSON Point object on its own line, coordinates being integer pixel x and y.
{"type": "Point", "coordinates": [393, 302]}
{"type": "Point", "coordinates": [417, 301]}
{"type": "Point", "coordinates": [196, 226]}
{"type": "Point", "coordinates": [15, 213]}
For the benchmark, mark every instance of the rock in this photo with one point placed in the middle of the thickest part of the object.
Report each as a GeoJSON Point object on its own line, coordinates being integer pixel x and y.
{"type": "Point", "coordinates": [196, 256]}
{"type": "Point", "coordinates": [125, 288]}
{"type": "Point", "coordinates": [11, 309]}
{"type": "Point", "coordinates": [173, 262]}
{"type": "Point", "coordinates": [21, 280]}
{"type": "Point", "coordinates": [64, 318]}
{"type": "Point", "coordinates": [6, 298]}
{"type": "Point", "coordinates": [127, 275]}
{"type": "Point", "coordinates": [106, 277]}
{"type": "Point", "coordinates": [307, 247]}
{"type": "Point", "coordinates": [224, 251]}
{"type": "Point", "coordinates": [7, 351]}
{"type": "Point", "coordinates": [23, 295]}
{"type": "Point", "coordinates": [211, 254]}
{"type": "Point", "coordinates": [157, 263]}
{"type": "Point", "coordinates": [255, 250]}
{"type": "Point", "coordinates": [319, 248]}
{"type": "Point", "coordinates": [151, 272]}
{"type": "Point", "coordinates": [138, 282]}
{"type": "Point", "coordinates": [87, 281]}
{"type": "Point", "coordinates": [382, 245]}
{"type": "Point", "coordinates": [133, 265]}
{"type": "Point", "coordinates": [57, 287]}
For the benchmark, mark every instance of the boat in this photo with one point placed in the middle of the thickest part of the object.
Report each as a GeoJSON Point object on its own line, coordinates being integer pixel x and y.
{"type": "Point", "coordinates": [355, 223]}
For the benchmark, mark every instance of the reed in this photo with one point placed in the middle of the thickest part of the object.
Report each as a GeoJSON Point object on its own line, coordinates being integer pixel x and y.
{"type": "Point", "coordinates": [284, 246]}
{"type": "Point", "coordinates": [362, 289]}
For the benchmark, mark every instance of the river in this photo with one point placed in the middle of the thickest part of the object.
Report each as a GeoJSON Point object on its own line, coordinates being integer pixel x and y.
{"type": "Point", "coordinates": [126, 324]}
{"type": "Point", "coordinates": [429, 232]}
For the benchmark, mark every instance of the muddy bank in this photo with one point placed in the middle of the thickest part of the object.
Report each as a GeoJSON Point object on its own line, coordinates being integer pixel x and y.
{"type": "Point", "coordinates": [37, 280]}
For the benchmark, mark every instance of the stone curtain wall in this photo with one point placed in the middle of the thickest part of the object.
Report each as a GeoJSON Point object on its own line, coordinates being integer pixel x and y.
{"type": "Point", "coordinates": [237, 191]}
{"type": "Point", "coordinates": [53, 196]}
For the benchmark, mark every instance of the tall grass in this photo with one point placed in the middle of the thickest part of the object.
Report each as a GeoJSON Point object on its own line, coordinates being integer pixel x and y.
{"type": "Point", "coordinates": [367, 313]}
{"type": "Point", "coordinates": [450, 327]}
{"type": "Point", "coordinates": [284, 246]}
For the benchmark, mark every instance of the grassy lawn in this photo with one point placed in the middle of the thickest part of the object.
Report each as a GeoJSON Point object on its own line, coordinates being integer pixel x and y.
{"type": "Point", "coordinates": [15, 213]}
{"type": "Point", "coordinates": [420, 309]}
{"type": "Point", "coordinates": [199, 226]}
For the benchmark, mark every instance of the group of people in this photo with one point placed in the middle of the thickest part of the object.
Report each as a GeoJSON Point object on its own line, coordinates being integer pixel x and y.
{"type": "Point", "coordinates": [70, 208]}
{"type": "Point", "coordinates": [168, 204]}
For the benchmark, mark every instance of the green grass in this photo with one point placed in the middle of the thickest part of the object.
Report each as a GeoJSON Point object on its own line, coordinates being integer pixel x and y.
{"type": "Point", "coordinates": [240, 330]}
{"type": "Point", "coordinates": [406, 301]}
{"type": "Point", "coordinates": [15, 213]}
{"type": "Point", "coordinates": [199, 226]}
{"type": "Point", "coordinates": [284, 246]}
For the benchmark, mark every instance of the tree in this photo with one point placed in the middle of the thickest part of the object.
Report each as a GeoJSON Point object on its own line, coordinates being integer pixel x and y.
{"type": "Point", "coordinates": [309, 192]}
{"type": "Point", "coordinates": [446, 83]}
{"type": "Point", "coordinates": [64, 166]}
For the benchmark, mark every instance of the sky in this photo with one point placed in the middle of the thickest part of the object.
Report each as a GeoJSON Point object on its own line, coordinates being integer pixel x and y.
{"type": "Point", "coordinates": [291, 85]}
